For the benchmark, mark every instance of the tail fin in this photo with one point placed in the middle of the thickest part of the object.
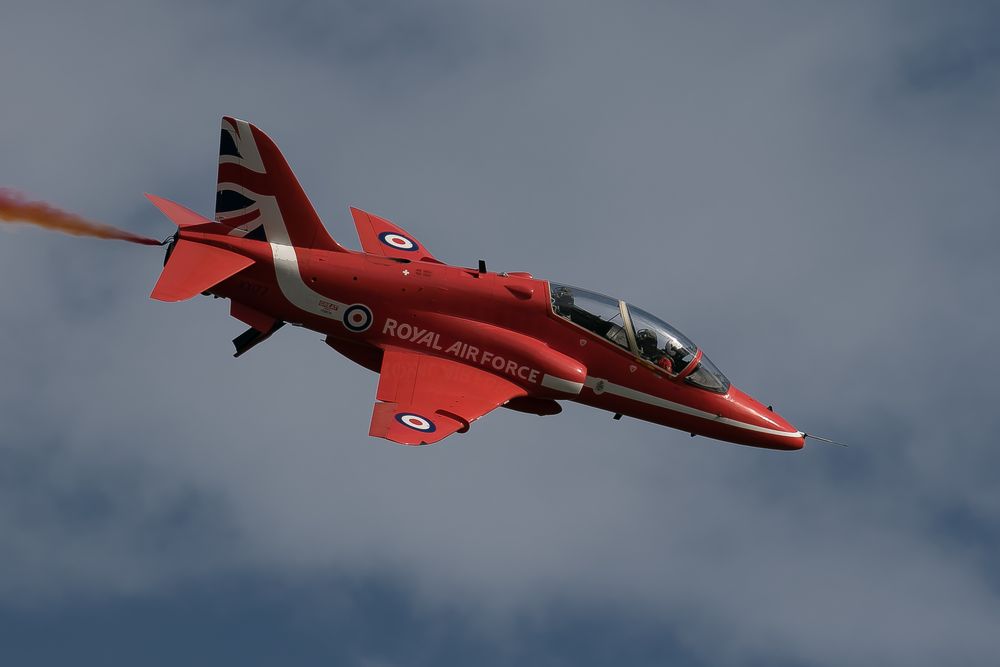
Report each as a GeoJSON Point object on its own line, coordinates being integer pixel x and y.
{"type": "Point", "coordinates": [258, 196]}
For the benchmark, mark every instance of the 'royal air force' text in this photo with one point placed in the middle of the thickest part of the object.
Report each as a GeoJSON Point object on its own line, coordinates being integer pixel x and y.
{"type": "Point", "coordinates": [459, 350]}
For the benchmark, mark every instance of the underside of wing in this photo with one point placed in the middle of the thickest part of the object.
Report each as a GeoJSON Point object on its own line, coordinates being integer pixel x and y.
{"type": "Point", "coordinates": [381, 237]}
{"type": "Point", "coordinates": [425, 399]}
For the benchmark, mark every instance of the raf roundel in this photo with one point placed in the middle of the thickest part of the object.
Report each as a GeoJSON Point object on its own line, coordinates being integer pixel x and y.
{"type": "Point", "coordinates": [357, 318]}
{"type": "Point", "coordinates": [416, 422]}
{"type": "Point", "coordinates": [398, 241]}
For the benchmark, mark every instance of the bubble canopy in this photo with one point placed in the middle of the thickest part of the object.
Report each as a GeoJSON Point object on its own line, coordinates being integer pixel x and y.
{"type": "Point", "coordinates": [644, 335]}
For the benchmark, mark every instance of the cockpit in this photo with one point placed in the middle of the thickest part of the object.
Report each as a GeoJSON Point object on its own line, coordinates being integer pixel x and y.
{"type": "Point", "coordinates": [637, 331]}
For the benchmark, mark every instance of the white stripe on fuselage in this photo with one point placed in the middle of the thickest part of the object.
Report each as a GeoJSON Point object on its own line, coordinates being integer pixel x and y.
{"type": "Point", "coordinates": [649, 399]}
{"type": "Point", "coordinates": [559, 384]}
{"type": "Point", "coordinates": [286, 269]}
{"type": "Point", "coordinates": [286, 266]}
{"type": "Point", "coordinates": [286, 263]}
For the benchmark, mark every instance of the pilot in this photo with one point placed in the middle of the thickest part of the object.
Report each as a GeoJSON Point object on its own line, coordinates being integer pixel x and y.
{"type": "Point", "coordinates": [665, 363]}
{"type": "Point", "coordinates": [673, 351]}
{"type": "Point", "coordinates": [563, 301]}
{"type": "Point", "coordinates": [646, 341]}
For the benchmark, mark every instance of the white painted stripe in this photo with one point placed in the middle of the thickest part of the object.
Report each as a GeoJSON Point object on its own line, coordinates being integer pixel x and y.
{"type": "Point", "coordinates": [247, 147]}
{"type": "Point", "coordinates": [286, 268]}
{"type": "Point", "coordinates": [256, 166]}
{"type": "Point", "coordinates": [559, 384]}
{"type": "Point", "coordinates": [649, 399]}
{"type": "Point", "coordinates": [286, 263]}
{"type": "Point", "coordinates": [247, 227]}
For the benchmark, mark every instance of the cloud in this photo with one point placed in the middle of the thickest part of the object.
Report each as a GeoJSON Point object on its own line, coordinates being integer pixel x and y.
{"type": "Point", "coordinates": [778, 183]}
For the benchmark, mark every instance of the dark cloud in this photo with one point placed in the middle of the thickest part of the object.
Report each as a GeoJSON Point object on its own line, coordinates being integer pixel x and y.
{"type": "Point", "coordinates": [948, 53]}
{"type": "Point", "coordinates": [808, 192]}
{"type": "Point", "coordinates": [352, 622]}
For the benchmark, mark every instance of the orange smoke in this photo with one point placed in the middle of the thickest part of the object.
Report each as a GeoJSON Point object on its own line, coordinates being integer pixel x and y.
{"type": "Point", "coordinates": [15, 208]}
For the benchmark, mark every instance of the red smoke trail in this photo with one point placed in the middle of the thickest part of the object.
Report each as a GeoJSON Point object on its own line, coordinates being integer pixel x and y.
{"type": "Point", "coordinates": [15, 208]}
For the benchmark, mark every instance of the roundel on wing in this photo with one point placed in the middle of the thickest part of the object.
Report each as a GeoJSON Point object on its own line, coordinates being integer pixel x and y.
{"type": "Point", "coordinates": [357, 318]}
{"type": "Point", "coordinates": [416, 422]}
{"type": "Point", "coordinates": [398, 241]}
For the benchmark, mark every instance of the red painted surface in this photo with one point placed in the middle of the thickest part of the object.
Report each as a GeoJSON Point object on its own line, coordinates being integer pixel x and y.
{"type": "Point", "coordinates": [451, 343]}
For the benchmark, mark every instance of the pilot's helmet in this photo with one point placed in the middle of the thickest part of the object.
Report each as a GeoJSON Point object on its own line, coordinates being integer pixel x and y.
{"type": "Point", "coordinates": [563, 298]}
{"type": "Point", "coordinates": [646, 340]}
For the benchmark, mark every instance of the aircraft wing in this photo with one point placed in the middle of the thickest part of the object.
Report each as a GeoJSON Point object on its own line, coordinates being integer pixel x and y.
{"type": "Point", "coordinates": [381, 237]}
{"type": "Point", "coordinates": [425, 399]}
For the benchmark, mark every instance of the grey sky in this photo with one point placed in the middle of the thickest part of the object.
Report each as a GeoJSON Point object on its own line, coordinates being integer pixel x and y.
{"type": "Point", "coordinates": [808, 190]}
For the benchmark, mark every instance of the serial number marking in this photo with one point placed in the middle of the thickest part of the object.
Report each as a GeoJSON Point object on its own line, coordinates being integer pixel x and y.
{"type": "Point", "coordinates": [256, 289]}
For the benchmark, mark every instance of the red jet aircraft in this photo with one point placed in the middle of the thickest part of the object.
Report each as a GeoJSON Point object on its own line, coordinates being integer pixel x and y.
{"type": "Point", "coordinates": [451, 343]}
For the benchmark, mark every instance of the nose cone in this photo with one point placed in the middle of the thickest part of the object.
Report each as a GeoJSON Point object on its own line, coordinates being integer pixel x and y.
{"type": "Point", "coordinates": [762, 426]}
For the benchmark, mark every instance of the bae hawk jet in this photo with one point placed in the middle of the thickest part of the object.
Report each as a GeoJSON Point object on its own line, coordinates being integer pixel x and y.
{"type": "Point", "coordinates": [450, 343]}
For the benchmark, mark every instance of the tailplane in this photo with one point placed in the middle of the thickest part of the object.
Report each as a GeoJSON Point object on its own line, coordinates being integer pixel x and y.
{"type": "Point", "coordinates": [193, 268]}
{"type": "Point", "coordinates": [257, 194]}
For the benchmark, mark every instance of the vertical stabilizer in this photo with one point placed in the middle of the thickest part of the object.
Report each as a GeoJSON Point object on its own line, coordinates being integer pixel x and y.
{"type": "Point", "coordinates": [257, 194]}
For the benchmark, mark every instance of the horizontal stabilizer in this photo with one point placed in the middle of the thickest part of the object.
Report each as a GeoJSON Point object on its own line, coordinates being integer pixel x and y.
{"type": "Point", "coordinates": [381, 237]}
{"type": "Point", "coordinates": [194, 268]}
{"type": "Point", "coordinates": [179, 215]}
